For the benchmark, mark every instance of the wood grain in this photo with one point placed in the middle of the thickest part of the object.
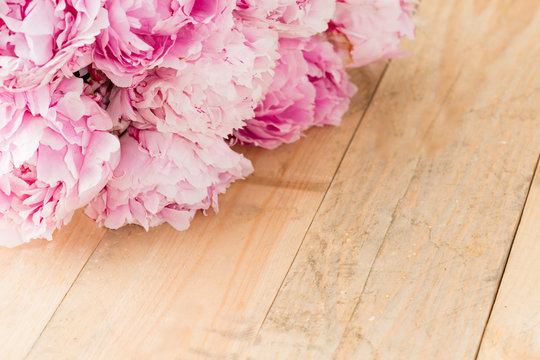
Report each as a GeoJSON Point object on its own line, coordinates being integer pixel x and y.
{"type": "Point", "coordinates": [199, 293]}
{"type": "Point", "coordinates": [34, 279]}
{"type": "Point", "coordinates": [513, 330]}
{"type": "Point", "coordinates": [405, 255]}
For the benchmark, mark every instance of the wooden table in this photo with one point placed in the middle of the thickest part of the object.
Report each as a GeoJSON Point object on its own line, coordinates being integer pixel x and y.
{"type": "Point", "coordinates": [410, 232]}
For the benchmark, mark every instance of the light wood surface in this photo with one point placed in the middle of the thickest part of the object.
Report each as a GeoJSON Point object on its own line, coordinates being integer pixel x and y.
{"type": "Point", "coordinates": [390, 237]}
{"type": "Point", "coordinates": [406, 252]}
{"type": "Point", "coordinates": [513, 331]}
{"type": "Point", "coordinates": [34, 279]}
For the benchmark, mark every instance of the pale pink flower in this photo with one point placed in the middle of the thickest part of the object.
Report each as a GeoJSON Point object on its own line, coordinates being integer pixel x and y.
{"type": "Point", "coordinates": [310, 88]}
{"type": "Point", "coordinates": [164, 177]}
{"type": "Point", "coordinates": [40, 38]}
{"type": "Point", "coordinates": [142, 33]}
{"type": "Point", "coordinates": [291, 18]}
{"type": "Point", "coordinates": [211, 94]}
{"type": "Point", "coordinates": [55, 156]}
{"type": "Point", "coordinates": [371, 30]}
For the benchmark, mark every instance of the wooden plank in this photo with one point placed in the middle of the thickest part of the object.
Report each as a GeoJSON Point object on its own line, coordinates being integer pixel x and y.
{"type": "Point", "coordinates": [34, 279]}
{"type": "Point", "coordinates": [198, 293]}
{"type": "Point", "coordinates": [513, 330]}
{"type": "Point", "coordinates": [404, 257]}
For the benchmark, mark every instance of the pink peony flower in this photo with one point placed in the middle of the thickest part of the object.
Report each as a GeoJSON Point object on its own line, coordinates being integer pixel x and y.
{"type": "Point", "coordinates": [371, 30]}
{"type": "Point", "coordinates": [333, 90]}
{"type": "Point", "coordinates": [164, 177]}
{"type": "Point", "coordinates": [142, 33]}
{"type": "Point", "coordinates": [55, 156]}
{"type": "Point", "coordinates": [292, 18]}
{"type": "Point", "coordinates": [39, 38]}
{"type": "Point", "coordinates": [211, 94]}
{"type": "Point", "coordinates": [310, 88]}
{"type": "Point", "coordinates": [127, 106]}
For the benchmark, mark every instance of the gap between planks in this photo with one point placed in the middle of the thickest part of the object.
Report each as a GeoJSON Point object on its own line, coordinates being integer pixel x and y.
{"type": "Point", "coordinates": [505, 265]}
{"type": "Point", "coordinates": [35, 278]}
{"type": "Point", "coordinates": [325, 193]}
{"type": "Point", "coordinates": [67, 292]}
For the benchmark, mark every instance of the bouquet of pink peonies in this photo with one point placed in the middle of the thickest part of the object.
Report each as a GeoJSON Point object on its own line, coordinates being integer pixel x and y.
{"type": "Point", "coordinates": [129, 107]}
